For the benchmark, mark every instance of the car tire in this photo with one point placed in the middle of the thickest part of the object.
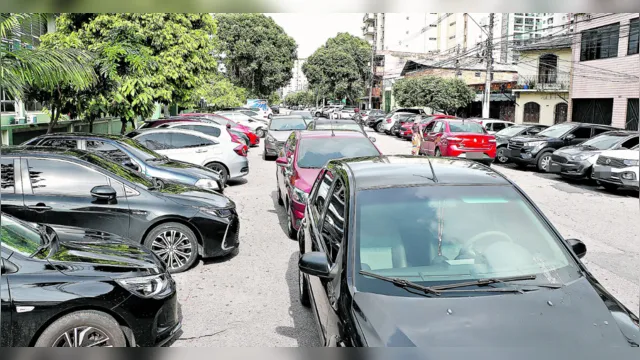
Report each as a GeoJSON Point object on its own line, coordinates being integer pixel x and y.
{"type": "Point", "coordinates": [379, 127]}
{"type": "Point", "coordinates": [291, 232]}
{"type": "Point", "coordinates": [170, 235]}
{"type": "Point", "coordinates": [303, 289]}
{"type": "Point", "coordinates": [544, 160]}
{"type": "Point", "coordinates": [96, 324]}
{"type": "Point", "coordinates": [220, 168]}
{"type": "Point", "coordinates": [260, 132]}
{"type": "Point", "coordinates": [500, 158]}
{"type": "Point", "coordinates": [609, 187]}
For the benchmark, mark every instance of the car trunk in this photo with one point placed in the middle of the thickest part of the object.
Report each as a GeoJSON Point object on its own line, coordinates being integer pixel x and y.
{"type": "Point", "coordinates": [472, 141]}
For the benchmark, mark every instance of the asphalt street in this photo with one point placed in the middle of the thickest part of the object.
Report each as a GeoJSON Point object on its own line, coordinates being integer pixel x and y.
{"type": "Point", "coordinates": [251, 299]}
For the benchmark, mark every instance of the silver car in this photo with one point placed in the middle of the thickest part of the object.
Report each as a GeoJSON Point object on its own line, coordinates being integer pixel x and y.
{"type": "Point", "coordinates": [280, 127]}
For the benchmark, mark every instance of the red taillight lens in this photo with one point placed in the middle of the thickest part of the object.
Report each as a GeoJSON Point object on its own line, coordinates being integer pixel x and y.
{"type": "Point", "coordinates": [389, 121]}
{"type": "Point", "coordinates": [241, 150]}
{"type": "Point", "coordinates": [454, 139]}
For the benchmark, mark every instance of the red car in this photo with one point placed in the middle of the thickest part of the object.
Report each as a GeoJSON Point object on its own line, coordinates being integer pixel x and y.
{"type": "Point", "coordinates": [254, 140]}
{"type": "Point", "coordinates": [458, 138]}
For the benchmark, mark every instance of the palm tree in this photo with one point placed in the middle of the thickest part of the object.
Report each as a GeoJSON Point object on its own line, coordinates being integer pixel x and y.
{"type": "Point", "coordinates": [44, 68]}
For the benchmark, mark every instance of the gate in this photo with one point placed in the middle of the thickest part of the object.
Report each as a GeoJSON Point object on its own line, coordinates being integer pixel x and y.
{"type": "Point", "coordinates": [632, 115]}
{"type": "Point", "coordinates": [592, 111]}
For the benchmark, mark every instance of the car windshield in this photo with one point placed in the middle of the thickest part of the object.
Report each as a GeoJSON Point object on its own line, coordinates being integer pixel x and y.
{"type": "Point", "coordinates": [138, 150]}
{"type": "Point", "coordinates": [604, 141]}
{"type": "Point", "coordinates": [117, 169]}
{"type": "Point", "coordinates": [288, 123]}
{"type": "Point", "coordinates": [445, 234]}
{"type": "Point", "coordinates": [337, 125]}
{"type": "Point", "coordinates": [250, 113]}
{"type": "Point", "coordinates": [557, 131]}
{"type": "Point", "coordinates": [19, 237]}
{"type": "Point", "coordinates": [466, 127]}
{"type": "Point", "coordinates": [315, 152]}
{"type": "Point", "coordinates": [510, 131]}
{"type": "Point", "coordinates": [305, 114]}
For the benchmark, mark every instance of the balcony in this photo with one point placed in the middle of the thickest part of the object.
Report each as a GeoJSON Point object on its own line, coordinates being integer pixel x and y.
{"type": "Point", "coordinates": [368, 30]}
{"type": "Point", "coordinates": [369, 18]}
{"type": "Point", "coordinates": [379, 71]}
{"type": "Point", "coordinates": [543, 82]}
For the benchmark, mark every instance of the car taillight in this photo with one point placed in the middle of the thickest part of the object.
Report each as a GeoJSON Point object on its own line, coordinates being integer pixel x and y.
{"type": "Point", "coordinates": [241, 150]}
{"type": "Point", "coordinates": [492, 140]}
{"type": "Point", "coordinates": [389, 121]}
{"type": "Point", "coordinates": [454, 139]}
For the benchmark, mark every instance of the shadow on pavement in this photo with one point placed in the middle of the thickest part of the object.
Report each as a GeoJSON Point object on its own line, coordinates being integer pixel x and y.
{"type": "Point", "coordinates": [236, 182]}
{"type": "Point", "coordinates": [279, 210]}
{"type": "Point", "coordinates": [304, 328]}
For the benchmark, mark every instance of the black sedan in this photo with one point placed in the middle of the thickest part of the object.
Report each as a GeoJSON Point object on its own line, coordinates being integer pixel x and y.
{"type": "Point", "coordinates": [387, 261]}
{"type": "Point", "coordinates": [79, 188]}
{"type": "Point", "coordinates": [71, 287]}
{"type": "Point", "coordinates": [503, 136]}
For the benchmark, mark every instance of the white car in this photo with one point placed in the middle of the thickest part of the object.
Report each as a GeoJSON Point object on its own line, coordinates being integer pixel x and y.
{"type": "Point", "coordinates": [258, 126]}
{"type": "Point", "coordinates": [262, 114]}
{"type": "Point", "coordinates": [493, 125]}
{"type": "Point", "coordinates": [387, 124]}
{"type": "Point", "coordinates": [617, 168]}
{"type": "Point", "coordinates": [227, 158]}
{"type": "Point", "coordinates": [220, 132]}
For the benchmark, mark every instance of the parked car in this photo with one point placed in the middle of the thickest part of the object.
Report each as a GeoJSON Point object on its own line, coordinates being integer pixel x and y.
{"type": "Point", "coordinates": [220, 132]}
{"type": "Point", "coordinates": [229, 159]}
{"type": "Point", "coordinates": [368, 115]}
{"type": "Point", "coordinates": [258, 126]}
{"type": "Point", "coordinates": [577, 161]}
{"type": "Point", "coordinates": [73, 287]}
{"type": "Point", "coordinates": [280, 127]}
{"type": "Point", "coordinates": [384, 124]}
{"type": "Point", "coordinates": [135, 156]}
{"type": "Point", "coordinates": [347, 112]}
{"type": "Point", "coordinates": [275, 109]}
{"type": "Point", "coordinates": [254, 140]}
{"type": "Point", "coordinates": [386, 261]}
{"type": "Point", "coordinates": [503, 136]}
{"type": "Point", "coordinates": [405, 130]}
{"type": "Point", "coordinates": [373, 121]}
{"type": "Point", "coordinates": [72, 187]}
{"type": "Point", "coordinates": [493, 125]}
{"type": "Point", "coordinates": [617, 169]}
{"type": "Point", "coordinates": [303, 155]}
{"type": "Point", "coordinates": [417, 127]}
{"type": "Point", "coordinates": [537, 149]}
{"type": "Point", "coordinates": [306, 115]}
{"type": "Point", "coordinates": [458, 138]}
{"type": "Point", "coordinates": [335, 124]}
{"type": "Point", "coordinates": [389, 125]}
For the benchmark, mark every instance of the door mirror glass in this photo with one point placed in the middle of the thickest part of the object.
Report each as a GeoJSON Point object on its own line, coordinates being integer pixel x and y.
{"type": "Point", "coordinates": [103, 192]}
{"type": "Point", "coordinates": [282, 161]}
{"type": "Point", "coordinates": [315, 264]}
{"type": "Point", "coordinates": [578, 247]}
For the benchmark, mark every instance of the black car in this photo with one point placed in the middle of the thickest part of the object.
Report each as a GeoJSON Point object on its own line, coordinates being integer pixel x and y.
{"type": "Point", "coordinates": [537, 149]}
{"type": "Point", "coordinates": [577, 161]}
{"type": "Point", "coordinates": [71, 287]}
{"type": "Point", "coordinates": [387, 261]}
{"type": "Point", "coordinates": [275, 109]}
{"type": "Point", "coordinates": [79, 188]}
{"type": "Point", "coordinates": [503, 136]}
{"type": "Point", "coordinates": [135, 156]}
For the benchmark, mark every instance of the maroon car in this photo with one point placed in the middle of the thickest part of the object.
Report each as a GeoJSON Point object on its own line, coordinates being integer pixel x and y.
{"type": "Point", "coordinates": [300, 160]}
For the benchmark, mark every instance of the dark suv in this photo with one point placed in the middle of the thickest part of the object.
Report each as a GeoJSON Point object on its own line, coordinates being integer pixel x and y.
{"type": "Point", "coordinates": [537, 149]}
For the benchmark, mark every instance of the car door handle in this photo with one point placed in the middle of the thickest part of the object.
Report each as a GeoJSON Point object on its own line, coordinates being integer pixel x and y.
{"type": "Point", "coordinates": [201, 151]}
{"type": "Point", "coordinates": [39, 207]}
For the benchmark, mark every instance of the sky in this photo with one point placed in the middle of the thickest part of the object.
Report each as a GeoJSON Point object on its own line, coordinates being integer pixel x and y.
{"type": "Point", "coordinates": [311, 31]}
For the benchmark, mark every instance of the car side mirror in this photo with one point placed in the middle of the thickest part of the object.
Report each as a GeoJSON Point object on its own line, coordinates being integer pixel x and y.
{"type": "Point", "coordinates": [570, 137]}
{"type": "Point", "coordinates": [7, 267]}
{"type": "Point", "coordinates": [282, 161]}
{"type": "Point", "coordinates": [315, 263]}
{"type": "Point", "coordinates": [372, 139]}
{"type": "Point", "coordinates": [103, 192]}
{"type": "Point", "coordinates": [578, 247]}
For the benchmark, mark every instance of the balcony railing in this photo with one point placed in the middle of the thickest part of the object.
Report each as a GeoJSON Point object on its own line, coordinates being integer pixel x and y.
{"type": "Point", "coordinates": [369, 17]}
{"type": "Point", "coordinates": [368, 30]}
{"type": "Point", "coordinates": [543, 82]}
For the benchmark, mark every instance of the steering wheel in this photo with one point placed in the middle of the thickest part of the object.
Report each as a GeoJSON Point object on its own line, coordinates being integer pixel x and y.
{"type": "Point", "coordinates": [493, 236]}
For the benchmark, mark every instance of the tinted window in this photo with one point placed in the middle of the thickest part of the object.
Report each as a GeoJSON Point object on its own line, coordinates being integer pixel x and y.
{"type": "Point", "coordinates": [429, 127]}
{"type": "Point", "coordinates": [8, 177]}
{"type": "Point", "coordinates": [556, 131]}
{"type": "Point", "coordinates": [338, 125]}
{"type": "Point", "coordinates": [107, 150]}
{"type": "Point", "coordinates": [465, 127]}
{"type": "Point", "coordinates": [18, 237]}
{"type": "Point", "coordinates": [510, 131]}
{"type": "Point", "coordinates": [499, 126]}
{"type": "Point", "coordinates": [181, 141]}
{"type": "Point", "coordinates": [321, 194]}
{"type": "Point", "coordinates": [61, 143]}
{"type": "Point", "coordinates": [287, 124]}
{"type": "Point", "coordinates": [315, 152]}
{"type": "Point", "coordinates": [582, 133]}
{"type": "Point", "coordinates": [209, 130]}
{"type": "Point", "coordinates": [333, 225]}
{"type": "Point", "coordinates": [63, 178]}
{"type": "Point", "coordinates": [631, 143]}
{"type": "Point", "coordinates": [155, 141]}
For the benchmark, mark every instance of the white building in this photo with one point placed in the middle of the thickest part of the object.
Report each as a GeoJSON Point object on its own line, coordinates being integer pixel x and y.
{"type": "Point", "coordinates": [298, 82]}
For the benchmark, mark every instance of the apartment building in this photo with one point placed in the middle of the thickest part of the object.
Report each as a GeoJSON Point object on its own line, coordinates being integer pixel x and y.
{"type": "Point", "coordinates": [298, 82]}
{"type": "Point", "coordinates": [606, 70]}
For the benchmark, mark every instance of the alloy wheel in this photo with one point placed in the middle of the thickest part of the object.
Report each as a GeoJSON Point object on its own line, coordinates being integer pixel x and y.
{"type": "Point", "coordinates": [544, 162]}
{"type": "Point", "coordinates": [173, 248]}
{"type": "Point", "coordinates": [85, 336]}
{"type": "Point", "coordinates": [260, 132]}
{"type": "Point", "coordinates": [500, 156]}
{"type": "Point", "coordinates": [380, 127]}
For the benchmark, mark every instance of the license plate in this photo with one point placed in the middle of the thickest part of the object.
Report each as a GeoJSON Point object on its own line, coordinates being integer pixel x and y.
{"type": "Point", "coordinates": [602, 173]}
{"type": "Point", "coordinates": [554, 168]}
{"type": "Point", "coordinates": [472, 155]}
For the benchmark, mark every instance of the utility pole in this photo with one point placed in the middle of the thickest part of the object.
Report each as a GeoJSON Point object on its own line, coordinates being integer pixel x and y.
{"type": "Point", "coordinates": [489, 58]}
{"type": "Point", "coordinates": [458, 72]}
{"type": "Point", "coordinates": [373, 52]}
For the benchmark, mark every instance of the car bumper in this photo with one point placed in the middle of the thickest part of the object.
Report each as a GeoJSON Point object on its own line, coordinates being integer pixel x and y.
{"type": "Point", "coordinates": [153, 322]}
{"type": "Point", "coordinates": [520, 156]}
{"type": "Point", "coordinates": [569, 168]}
{"type": "Point", "coordinates": [481, 155]}
{"type": "Point", "coordinates": [239, 167]}
{"type": "Point", "coordinates": [271, 149]}
{"type": "Point", "coordinates": [219, 235]}
{"type": "Point", "coordinates": [625, 177]}
{"type": "Point", "coordinates": [297, 214]}
{"type": "Point", "coordinates": [407, 134]}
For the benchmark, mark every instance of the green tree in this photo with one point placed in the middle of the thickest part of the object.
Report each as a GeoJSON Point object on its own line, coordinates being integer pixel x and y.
{"type": "Point", "coordinates": [339, 69]}
{"type": "Point", "coordinates": [257, 53]}
{"type": "Point", "coordinates": [220, 93]}
{"type": "Point", "coordinates": [440, 94]}
{"type": "Point", "coordinates": [274, 98]}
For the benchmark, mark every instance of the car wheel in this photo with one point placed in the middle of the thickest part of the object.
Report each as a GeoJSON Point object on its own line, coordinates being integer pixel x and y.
{"type": "Point", "coordinates": [318, 114]}
{"type": "Point", "coordinates": [88, 328]}
{"type": "Point", "coordinates": [544, 161]}
{"type": "Point", "coordinates": [260, 132]}
{"type": "Point", "coordinates": [380, 127]}
{"type": "Point", "coordinates": [303, 288]}
{"type": "Point", "coordinates": [608, 186]}
{"type": "Point", "coordinates": [175, 244]}
{"type": "Point", "coordinates": [291, 232]}
{"type": "Point", "coordinates": [221, 169]}
{"type": "Point", "coordinates": [500, 156]}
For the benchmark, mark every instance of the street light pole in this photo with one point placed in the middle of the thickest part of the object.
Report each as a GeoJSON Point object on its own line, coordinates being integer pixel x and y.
{"type": "Point", "coordinates": [489, 58]}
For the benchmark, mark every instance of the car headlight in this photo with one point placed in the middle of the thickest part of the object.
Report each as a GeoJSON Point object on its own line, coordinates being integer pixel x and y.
{"type": "Point", "coordinates": [223, 213]}
{"type": "Point", "coordinates": [581, 157]}
{"type": "Point", "coordinates": [631, 162]}
{"type": "Point", "coordinates": [153, 286]}
{"type": "Point", "coordinates": [533, 143]}
{"type": "Point", "coordinates": [271, 139]}
{"type": "Point", "coordinates": [207, 184]}
{"type": "Point", "coordinates": [299, 195]}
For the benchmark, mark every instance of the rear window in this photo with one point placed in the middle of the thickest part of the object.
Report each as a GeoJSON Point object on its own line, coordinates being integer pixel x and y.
{"type": "Point", "coordinates": [466, 127]}
{"type": "Point", "coordinates": [315, 152]}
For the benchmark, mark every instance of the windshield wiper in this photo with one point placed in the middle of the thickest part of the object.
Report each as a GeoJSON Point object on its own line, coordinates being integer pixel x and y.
{"type": "Point", "coordinates": [401, 283]}
{"type": "Point", "coordinates": [501, 280]}
{"type": "Point", "coordinates": [46, 241]}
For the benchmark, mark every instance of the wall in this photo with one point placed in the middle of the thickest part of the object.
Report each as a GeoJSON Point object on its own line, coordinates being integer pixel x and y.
{"type": "Point", "coordinates": [469, 76]}
{"type": "Point", "coordinates": [17, 134]}
{"type": "Point", "coordinates": [547, 102]}
{"type": "Point", "coordinates": [529, 62]}
{"type": "Point", "coordinates": [585, 86]}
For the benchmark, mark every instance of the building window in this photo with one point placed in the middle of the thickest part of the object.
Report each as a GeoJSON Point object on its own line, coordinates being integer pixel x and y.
{"type": "Point", "coordinates": [634, 36]}
{"type": "Point", "coordinates": [32, 106]}
{"type": "Point", "coordinates": [560, 113]}
{"type": "Point", "coordinates": [632, 115]}
{"type": "Point", "coordinates": [531, 112]}
{"type": "Point", "coordinates": [600, 43]}
{"type": "Point", "coordinates": [7, 104]}
{"type": "Point", "coordinates": [477, 74]}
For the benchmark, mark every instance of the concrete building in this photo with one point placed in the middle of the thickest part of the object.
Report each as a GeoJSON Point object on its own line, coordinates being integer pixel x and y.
{"type": "Point", "coordinates": [606, 70]}
{"type": "Point", "coordinates": [542, 90]}
{"type": "Point", "coordinates": [298, 82]}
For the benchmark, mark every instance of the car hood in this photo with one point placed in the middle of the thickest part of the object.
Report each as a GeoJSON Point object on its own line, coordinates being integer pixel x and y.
{"type": "Point", "coordinates": [184, 168]}
{"type": "Point", "coordinates": [576, 149]}
{"type": "Point", "coordinates": [570, 316]}
{"type": "Point", "coordinates": [621, 154]}
{"type": "Point", "coordinates": [306, 178]}
{"type": "Point", "coordinates": [86, 252]}
{"type": "Point", "coordinates": [195, 196]}
{"type": "Point", "coordinates": [280, 135]}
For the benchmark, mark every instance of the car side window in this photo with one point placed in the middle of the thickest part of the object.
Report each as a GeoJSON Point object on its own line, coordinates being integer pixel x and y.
{"type": "Point", "coordinates": [51, 177]}
{"type": "Point", "coordinates": [631, 142]}
{"type": "Point", "coordinates": [488, 126]}
{"type": "Point", "coordinates": [598, 131]}
{"type": "Point", "coordinates": [157, 141]}
{"type": "Point", "coordinates": [438, 127]}
{"type": "Point", "coordinates": [60, 143]}
{"type": "Point", "coordinates": [582, 132]}
{"type": "Point", "coordinates": [209, 130]}
{"type": "Point", "coordinates": [321, 195]}
{"type": "Point", "coordinates": [183, 141]}
{"type": "Point", "coordinates": [8, 176]}
{"type": "Point", "coordinates": [334, 220]}
{"type": "Point", "coordinates": [429, 127]}
{"type": "Point", "coordinates": [499, 126]}
{"type": "Point", "coordinates": [107, 150]}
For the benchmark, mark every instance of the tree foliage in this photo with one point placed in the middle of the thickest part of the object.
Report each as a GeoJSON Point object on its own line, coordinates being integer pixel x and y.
{"type": "Point", "coordinates": [274, 98]}
{"type": "Point", "coordinates": [221, 93]}
{"type": "Point", "coordinates": [440, 94]}
{"type": "Point", "coordinates": [305, 98]}
{"type": "Point", "coordinates": [340, 68]}
{"type": "Point", "coordinates": [258, 54]}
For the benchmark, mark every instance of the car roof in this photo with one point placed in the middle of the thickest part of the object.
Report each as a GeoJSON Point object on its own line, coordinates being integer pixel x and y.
{"type": "Point", "coordinates": [43, 151]}
{"type": "Point", "coordinates": [321, 120]}
{"type": "Point", "coordinates": [580, 124]}
{"type": "Point", "coordinates": [305, 134]}
{"type": "Point", "coordinates": [84, 136]}
{"type": "Point", "coordinates": [621, 133]}
{"type": "Point", "coordinates": [174, 130]}
{"type": "Point", "coordinates": [406, 170]}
